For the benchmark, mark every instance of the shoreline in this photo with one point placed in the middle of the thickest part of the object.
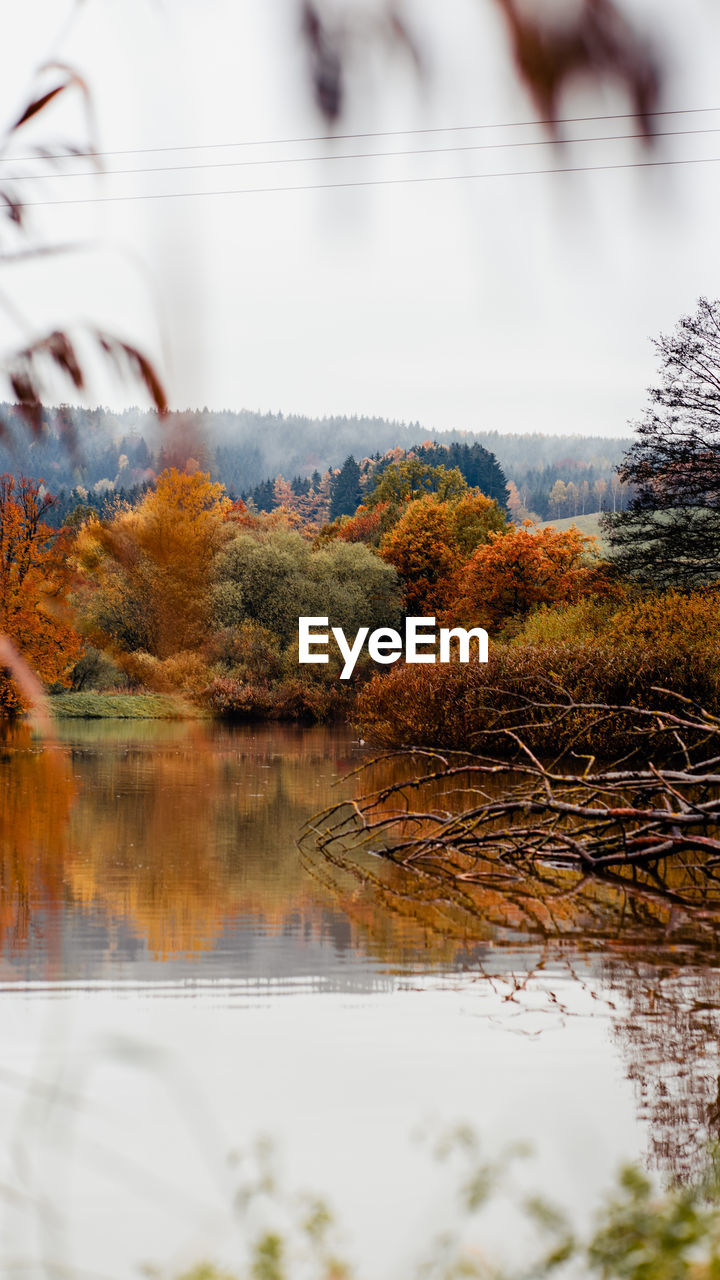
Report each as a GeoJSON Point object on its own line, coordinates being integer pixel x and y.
{"type": "Point", "coordinates": [124, 706]}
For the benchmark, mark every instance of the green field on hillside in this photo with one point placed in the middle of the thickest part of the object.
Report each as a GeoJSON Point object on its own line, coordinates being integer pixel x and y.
{"type": "Point", "coordinates": [586, 524]}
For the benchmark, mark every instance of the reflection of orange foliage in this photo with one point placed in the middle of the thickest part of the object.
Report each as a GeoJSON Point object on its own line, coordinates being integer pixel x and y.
{"type": "Point", "coordinates": [181, 839]}
{"type": "Point", "coordinates": [36, 794]}
{"type": "Point", "coordinates": [173, 916]}
{"type": "Point", "coordinates": [181, 835]}
{"type": "Point", "coordinates": [34, 579]}
{"type": "Point", "coordinates": [149, 852]}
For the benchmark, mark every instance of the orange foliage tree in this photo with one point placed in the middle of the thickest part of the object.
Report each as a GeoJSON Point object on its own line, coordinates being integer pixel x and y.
{"type": "Point", "coordinates": [149, 569]}
{"type": "Point", "coordinates": [367, 525]}
{"type": "Point", "coordinates": [431, 542]}
{"type": "Point", "coordinates": [525, 567]}
{"type": "Point", "coordinates": [34, 580]}
{"type": "Point", "coordinates": [421, 549]}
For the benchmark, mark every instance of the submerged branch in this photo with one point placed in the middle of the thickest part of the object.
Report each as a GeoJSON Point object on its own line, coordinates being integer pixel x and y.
{"type": "Point", "coordinates": [478, 816]}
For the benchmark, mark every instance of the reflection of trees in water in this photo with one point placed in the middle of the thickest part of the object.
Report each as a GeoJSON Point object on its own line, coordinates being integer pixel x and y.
{"type": "Point", "coordinates": [37, 790]}
{"type": "Point", "coordinates": [186, 838]}
{"type": "Point", "coordinates": [182, 836]}
{"type": "Point", "coordinates": [180, 832]}
{"type": "Point", "coordinates": [654, 930]}
{"type": "Point", "coordinates": [667, 1008]}
{"type": "Point", "coordinates": [669, 1032]}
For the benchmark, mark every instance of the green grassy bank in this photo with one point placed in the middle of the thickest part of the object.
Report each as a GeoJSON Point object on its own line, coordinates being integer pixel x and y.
{"type": "Point", "coordinates": [123, 706]}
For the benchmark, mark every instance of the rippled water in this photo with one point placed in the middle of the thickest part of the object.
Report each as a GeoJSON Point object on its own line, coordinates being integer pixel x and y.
{"type": "Point", "coordinates": [162, 852]}
{"type": "Point", "coordinates": [177, 976]}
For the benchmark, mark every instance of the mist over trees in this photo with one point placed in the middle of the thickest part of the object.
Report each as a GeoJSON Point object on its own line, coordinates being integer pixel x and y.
{"type": "Point", "coordinates": [121, 452]}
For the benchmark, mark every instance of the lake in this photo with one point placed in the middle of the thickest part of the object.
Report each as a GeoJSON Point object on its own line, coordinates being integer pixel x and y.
{"type": "Point", "coordinates": [179, 978]}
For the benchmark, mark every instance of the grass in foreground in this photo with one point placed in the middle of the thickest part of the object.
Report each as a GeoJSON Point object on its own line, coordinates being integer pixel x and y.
{"type": "Point", "coordinates": [123, 706]}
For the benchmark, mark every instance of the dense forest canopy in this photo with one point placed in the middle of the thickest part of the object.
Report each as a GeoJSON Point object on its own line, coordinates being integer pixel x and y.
{"type": "Point", "coordinates": [247, 451]}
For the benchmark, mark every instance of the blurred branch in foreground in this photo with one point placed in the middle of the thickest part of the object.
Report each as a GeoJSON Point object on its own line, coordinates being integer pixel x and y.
{"type": "Point", "coordinates": [39, 364]}
{"type": "Point", "coordinates": [552, 46]}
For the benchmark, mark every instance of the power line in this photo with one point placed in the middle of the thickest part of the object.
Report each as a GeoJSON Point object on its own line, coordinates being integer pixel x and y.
{"type": "Point", "coordinates": [364, 155]}
{"type": "Point", "coordinates": [374, 182]}
{"type": "Point", "coordinates": [355, 137]}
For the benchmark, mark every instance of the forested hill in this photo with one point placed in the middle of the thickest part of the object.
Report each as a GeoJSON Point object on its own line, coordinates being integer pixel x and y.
{"type": "Point", "coordinates": [244, 449]}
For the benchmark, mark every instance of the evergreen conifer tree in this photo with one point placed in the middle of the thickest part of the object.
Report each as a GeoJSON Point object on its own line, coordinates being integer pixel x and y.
{"type": "Point", "coordinates": [345, 492]}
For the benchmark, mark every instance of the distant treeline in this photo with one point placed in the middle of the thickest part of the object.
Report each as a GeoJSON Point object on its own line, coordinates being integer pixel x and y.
{"type": "Point", "coordinates": [247, 451]}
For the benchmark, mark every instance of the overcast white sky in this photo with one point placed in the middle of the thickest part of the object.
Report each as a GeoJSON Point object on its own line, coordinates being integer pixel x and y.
{"type": "Point", "coordinates": [518, 303]}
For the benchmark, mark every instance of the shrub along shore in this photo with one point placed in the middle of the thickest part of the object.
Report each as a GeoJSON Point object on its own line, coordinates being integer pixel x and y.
{"type": "Point", "coordinates": [648, 654]}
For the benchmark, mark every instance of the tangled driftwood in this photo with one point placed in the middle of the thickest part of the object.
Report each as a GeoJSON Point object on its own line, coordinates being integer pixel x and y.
{"type": "Point", "coordinates": [529, 812]}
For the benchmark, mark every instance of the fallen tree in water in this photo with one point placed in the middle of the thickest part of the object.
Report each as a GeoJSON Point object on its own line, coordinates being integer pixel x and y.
{"type": "Point", "coordinates": [527, 812]}
{"type": "Point", "coordinates": [540, 876]}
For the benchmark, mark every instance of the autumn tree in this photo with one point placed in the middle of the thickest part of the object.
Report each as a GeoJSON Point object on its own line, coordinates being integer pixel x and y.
{"type": "Point", "coordinates": [34, 580]}
{"type": "Point", "coordinates": [514, 502]}
{"type": "Point", "coordinates": [367, 525]}
{"type": "Point", "coordinates": [473, 517]}
{"type": "Point", "coordinates": [282, 493]}
{"type": "Point", "coordinates": [524, 567]}
{"type": "Point", "coordinates": [153, 566]}
{"type": "Point", "coordinates": [599, 490]}
{"type": "Point", "coordinates": [432, 541]}
{"type": "Point", "coordinates": [410, 479]}
{"type": "Point", "coordinates": [421, 549]}
{"type": "Point", "coordinates": [313, 507]}
{"type": "Point", "coordinates": [273, 577]}
{"type": "Point", "coordinates": [558, 498]}
{"type": "Point", "coordinates": [303, 503]}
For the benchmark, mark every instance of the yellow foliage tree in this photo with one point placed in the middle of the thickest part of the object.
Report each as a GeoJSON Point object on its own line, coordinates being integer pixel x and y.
{"type": "Point", "coordinates": [433, 539]}
{"type": "Point", "coordinates": [149, 570]}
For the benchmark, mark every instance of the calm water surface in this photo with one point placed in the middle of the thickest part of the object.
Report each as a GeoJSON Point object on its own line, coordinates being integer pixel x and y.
{"type": "Point", "coordinates": [177, 977]}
